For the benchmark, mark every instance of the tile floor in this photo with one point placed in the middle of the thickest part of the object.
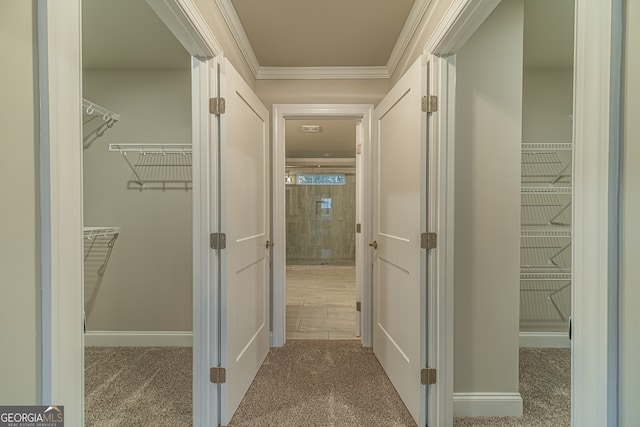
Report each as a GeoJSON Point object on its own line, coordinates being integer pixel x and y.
{"type": "Point", "coordinates": [321, 302]}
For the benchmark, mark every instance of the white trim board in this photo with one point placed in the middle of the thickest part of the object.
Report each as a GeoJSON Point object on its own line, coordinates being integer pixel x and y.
{"type": "Point", "coordinates": [138, 339]}
{"type": "Point", "coordinates": [487, 405]}
{"type": "Point", "coordinates": [545, 339]}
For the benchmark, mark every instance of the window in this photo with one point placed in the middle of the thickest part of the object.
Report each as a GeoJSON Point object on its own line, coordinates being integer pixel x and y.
{"type": "Point", "coordinates": [320, 179]}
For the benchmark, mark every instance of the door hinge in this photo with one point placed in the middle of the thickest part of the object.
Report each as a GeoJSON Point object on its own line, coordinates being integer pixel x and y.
{"type": "Point", "coordinates": [218, 375]}
{"type": "Point", "coordinates": [428, 376]}
{"type": "Point", "coordinates": [358, 306]}
{"type": "Point", "coordinates": [428, 240]}
{"type": "Point", "coordinates": [430, 104]}
{"type": "Point", "coordinates": [218, 240]}
{"type": "Point", "coordinates": [358, 228]}
{"type": "Point", "coordinates": [216, 106]}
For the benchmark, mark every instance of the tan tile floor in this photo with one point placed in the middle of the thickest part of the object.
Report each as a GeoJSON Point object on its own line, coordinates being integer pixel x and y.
{"type": "Point", "coordinates": [321, 302]}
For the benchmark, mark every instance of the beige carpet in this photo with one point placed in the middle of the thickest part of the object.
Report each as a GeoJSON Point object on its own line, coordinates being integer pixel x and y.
{"type": "Point", "coordinates": [321, 383]}
{"type": "Point", "coordinates": [305, 383]}
{"type": "Point", "coordinates": [545, 386]}
{"type": "Point", "coordinates": [138, 386]}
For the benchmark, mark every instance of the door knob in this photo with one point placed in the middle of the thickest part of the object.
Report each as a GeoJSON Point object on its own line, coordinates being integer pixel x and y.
{"type": "Point", "coordinates": [374, 244]}
{"type": "Point", "coordinates": [269, 244]}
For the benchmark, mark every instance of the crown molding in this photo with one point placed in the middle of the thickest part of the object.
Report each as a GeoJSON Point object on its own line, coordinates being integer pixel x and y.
{"type": "Point", "coordinates": [322, 73]}
{"type": "Point", "coordinates": [408, 30]}
{"type": "Point", "coordinates": [237, 30]}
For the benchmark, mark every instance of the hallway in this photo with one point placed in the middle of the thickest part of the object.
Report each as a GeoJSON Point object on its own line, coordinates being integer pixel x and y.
{"type": "Point", "coordinates": [321, 302]}
{"type": "Point", "coordinates": [321, 383]}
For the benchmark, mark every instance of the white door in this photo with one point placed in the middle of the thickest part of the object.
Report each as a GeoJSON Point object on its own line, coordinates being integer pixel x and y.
{"type": "Point", "coordinates": [399, 217]}
{"type": "Point", "coordinates": [244, 217]}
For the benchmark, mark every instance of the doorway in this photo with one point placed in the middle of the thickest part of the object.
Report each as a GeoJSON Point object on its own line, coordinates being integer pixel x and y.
{"type": "Point", "coordinates": [334, 227]}
{"type": "Point", "coordinates": [320, 186]}
{"type": "Point", "coordinates": [138, 210]}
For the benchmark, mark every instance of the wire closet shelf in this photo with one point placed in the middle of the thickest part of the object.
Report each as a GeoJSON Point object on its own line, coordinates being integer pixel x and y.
{"type": "Point", "coordinates": [158, 166]}
{"type": "Point", "coordinates": [545, 236]}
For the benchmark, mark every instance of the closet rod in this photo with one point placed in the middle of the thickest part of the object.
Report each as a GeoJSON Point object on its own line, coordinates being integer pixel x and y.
{"type": "Point", "coordinates": [91, 108]}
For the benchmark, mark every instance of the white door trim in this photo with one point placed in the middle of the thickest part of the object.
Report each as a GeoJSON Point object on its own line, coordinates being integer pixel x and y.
{"type": "Point", "coordinates": [59, 29]}
{"type": "Point", "coordinates": [440, 214]}
{"type": "Point", "coordinates": [206, 265]}
{"type": "Point", "coordinates": [596, 115]}
{"type": "Point", "coordinates": [280, 113]}
{"type": "Point", "coordinates": [594, 356]}
{"type": "Point", "coordinates": [61, 268]}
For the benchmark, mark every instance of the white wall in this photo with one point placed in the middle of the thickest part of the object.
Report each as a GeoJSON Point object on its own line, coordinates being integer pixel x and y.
{"type": "Point", "coordinates": [19, 308]}
{"type": "Point", "coordinates": [147, 285]}
{"type": "Point", "coordinates": [487, 204]}
{"type": "Point", "coordinates": [629, 369]}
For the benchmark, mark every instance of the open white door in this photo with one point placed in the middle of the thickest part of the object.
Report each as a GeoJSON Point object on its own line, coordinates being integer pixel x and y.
{"type": "Point", "coordinates": [399, 217]}
{"type": "Point", "coordinates": [244, 218]}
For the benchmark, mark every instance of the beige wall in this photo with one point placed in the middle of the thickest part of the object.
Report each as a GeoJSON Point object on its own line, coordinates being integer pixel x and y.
{"type": "Point", "coordinates": [147, 285]}
{"type": "Point", "coordinates": [19, 308]}
{"type": "Point", "coordinates": [547, 105]}
{"type": "Point", "coordinates": [365, 91]}
{"type": "Point", "coordinates": [487, 221]}
{"type": "Point", "coordinates": [629, 369]}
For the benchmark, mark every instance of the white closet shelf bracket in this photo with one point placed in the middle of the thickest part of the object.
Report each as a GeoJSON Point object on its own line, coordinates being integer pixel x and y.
{"type": "Point", "coordinates": [91, 233]}
{"type": "Point", "coordinates": [91, 108]}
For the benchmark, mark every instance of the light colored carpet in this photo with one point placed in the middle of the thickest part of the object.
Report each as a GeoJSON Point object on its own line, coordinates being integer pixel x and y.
{"type": "Point", "coordinates": [138, 386]}
{"type": "Point", "coordinates": [321, 383]}
{"type": "Point", "coordinates": [545, 386]}
{"type": "Point", "coordinates": [305, 383]}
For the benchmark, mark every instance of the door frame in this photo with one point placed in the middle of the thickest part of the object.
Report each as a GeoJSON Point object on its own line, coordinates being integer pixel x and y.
{"type": "Point", "coordinates": [60, 177]}
{"type": "Point", "coordinates": [597, 57]}
{"type": "Point", "coordinates": [281, 112]}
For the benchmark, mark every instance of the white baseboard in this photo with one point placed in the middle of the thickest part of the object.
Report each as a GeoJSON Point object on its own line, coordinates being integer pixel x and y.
{"type": "Point", "coordinates": [545, 339]}
{"type": "Point", "coordinates": [487, 405]}
{"type": "Point", "coordinates": [138, 339]}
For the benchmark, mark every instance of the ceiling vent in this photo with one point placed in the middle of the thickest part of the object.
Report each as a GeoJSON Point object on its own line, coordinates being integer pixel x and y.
{"type": "Point", "coordinates": [310, 128]}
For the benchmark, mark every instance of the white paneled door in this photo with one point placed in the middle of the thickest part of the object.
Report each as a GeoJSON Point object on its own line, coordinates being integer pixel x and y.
{"type": "Point", "coordinates": [399, 217]}
{"type": "Point", "coordinates": [244, 217]}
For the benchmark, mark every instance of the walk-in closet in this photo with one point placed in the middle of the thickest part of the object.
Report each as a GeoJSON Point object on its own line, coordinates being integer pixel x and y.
{"type": "Point", "coordinates": [513, 231]}
{"type": "Point", "coordinates": [137, 215]}
{"type": "Point", "coordinates": [547, 126]}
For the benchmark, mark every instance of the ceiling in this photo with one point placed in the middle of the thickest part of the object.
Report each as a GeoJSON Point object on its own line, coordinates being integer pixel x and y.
{"type": "Point", "coordinates": [289, 38]}
{"type": "Point", "coordinates": [293, 38]}
{"type": "Point", "coordinates": [336, 139]}
{"type": "Point", "coordinates": [327, 33]}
